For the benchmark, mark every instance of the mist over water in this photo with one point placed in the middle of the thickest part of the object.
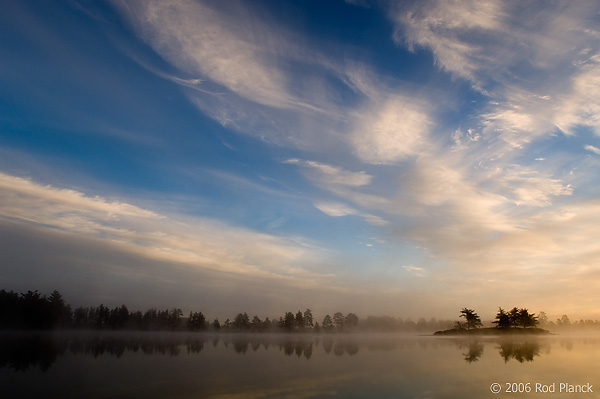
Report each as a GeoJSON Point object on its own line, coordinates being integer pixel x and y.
{"type": "Point", "coordinates": [188, 365]}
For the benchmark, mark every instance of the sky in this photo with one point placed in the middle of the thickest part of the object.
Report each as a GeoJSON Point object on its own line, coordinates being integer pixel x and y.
{"type": "Point", "coordinates": [405, 158]}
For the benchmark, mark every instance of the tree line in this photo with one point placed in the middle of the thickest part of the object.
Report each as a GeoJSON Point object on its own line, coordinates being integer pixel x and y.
{"type": "Point", "coordinates": [519, 318]}
{"type": "Point", "coordinates": [522, 318]}
{"type": "Point", "coordinates": [34, 311]}
{"type": "Point", "coordinates": [514, 318]}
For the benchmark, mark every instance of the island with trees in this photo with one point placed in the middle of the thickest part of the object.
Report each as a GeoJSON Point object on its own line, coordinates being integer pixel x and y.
{"type": "Point", "coordinates": [515, 321]}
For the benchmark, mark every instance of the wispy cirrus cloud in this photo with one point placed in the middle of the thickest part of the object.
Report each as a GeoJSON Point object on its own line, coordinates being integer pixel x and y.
{"type": "Point", "coordinates": [593, 149]}
{"type": "Point", "coordinates": [343, 184]}
{"type": "Point", "coordinates": [337, 209]}
{"type": "Point", "coordinates": [537, 62]}
{"type": "Point", "coordinates": [245, 76]}
{"type": "Point", "coordinates": [444, 26]}
{"type": "Point", "coordinates": [328, 174]}
{"type": "Point", "coordinates": [199, 40]}
{"type": "Point", "coordinates": [491, 42]}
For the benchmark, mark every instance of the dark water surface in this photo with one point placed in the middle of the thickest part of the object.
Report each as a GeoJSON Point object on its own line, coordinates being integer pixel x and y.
{"type": "Point", "coordinates": [173, 365]}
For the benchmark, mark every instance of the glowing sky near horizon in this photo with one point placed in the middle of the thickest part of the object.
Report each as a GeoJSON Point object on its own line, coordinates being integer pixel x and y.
{"type": "Point", "coordinates": [401, 158]}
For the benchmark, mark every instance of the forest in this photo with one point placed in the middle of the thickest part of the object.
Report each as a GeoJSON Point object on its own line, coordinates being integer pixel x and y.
{"type": "Point", "coordinates": [35, 311]}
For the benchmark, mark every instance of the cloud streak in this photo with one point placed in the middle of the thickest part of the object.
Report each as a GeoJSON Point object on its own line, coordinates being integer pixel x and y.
{"type": "Point", "coordinates": [203, 243]}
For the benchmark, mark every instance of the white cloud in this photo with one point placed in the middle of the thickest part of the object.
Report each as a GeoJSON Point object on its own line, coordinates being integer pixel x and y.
{"type": "Point", "coordinates": [242, 68]}
{"type": "Point", "coordinates": [580, 106]}
{"type": "Point", "coordinates": [247, 77]}
{"type": "Point", "coordinates": [486, 41]}
{"type": "Point", "coordinates": [417, 271]}
{"type": "Point", "coordinates": [335, 209]}
{"type": "Point", "coordinates": [199, 40]}
{"type": "Point", "coordinates": [375, 220]}
{"type": "Point", "coordinates": [328, 174]}
{"type": "Point", "coordinates": [593, 149]}
{"type": "Point", "coordinates": [390, 131]}
{"type": "Point", "coordinates": [443, 25]}
{"type": "Point", "coordinates": [529, 188]}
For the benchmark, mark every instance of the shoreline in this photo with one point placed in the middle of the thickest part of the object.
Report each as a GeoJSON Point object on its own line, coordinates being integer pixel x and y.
{"type": "Point", "coordinates": [493, 331]}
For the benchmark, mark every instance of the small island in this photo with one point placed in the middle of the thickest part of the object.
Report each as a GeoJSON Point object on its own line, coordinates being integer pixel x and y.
{"type": "Point", "coordinates": [514, 322]}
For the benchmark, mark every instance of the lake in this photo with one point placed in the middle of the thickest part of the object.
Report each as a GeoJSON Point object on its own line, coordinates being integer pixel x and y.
{"type": "Point", "coordinates": [187, 365]}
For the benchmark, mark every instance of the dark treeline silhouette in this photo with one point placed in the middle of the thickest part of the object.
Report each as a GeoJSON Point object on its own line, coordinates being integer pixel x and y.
{"type": "Point", "coordinates": [515, 321]}
{"type": "Point", "coordinates": [515, 318]}
{"type": "Point", "coordinates": [34, 311]}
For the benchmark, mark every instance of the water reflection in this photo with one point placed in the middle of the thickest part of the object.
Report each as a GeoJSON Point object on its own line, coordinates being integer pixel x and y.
{"type": "Point", "coordinates": [474, 351]}
{"type": "Point", "coordinates": [19, 352]}
{"type": "Point", "coordinates": [520, 351]}
{"type": "Point", "coordinates": [508, 349]}
{"type": "Point", "coordinates": [199, 365]}
{"type": "Point", "coordinates": [22, 352]}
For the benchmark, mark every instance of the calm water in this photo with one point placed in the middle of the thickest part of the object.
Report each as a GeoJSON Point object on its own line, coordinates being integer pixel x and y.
{"type": "Point", "coordinates": [154, 365]}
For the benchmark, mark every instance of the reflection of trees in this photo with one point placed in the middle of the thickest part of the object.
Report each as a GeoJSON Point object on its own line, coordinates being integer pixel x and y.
{"type": "Point", "coordinates": [288, 348]}
{"type": "Point", "coordinates": [255, 345]}
{"type": "Point", "coordinates": [342, 346]}
{"type": "Point", "coordinates": [301, 347]}
{"type": "Point", "coordinates": [474, 351]}
{"type": "Point", "coordinates": [520, 351]}
{"type": "Point", "coordinates": [338, 348]}
{"type": "Point", "coordinates": [117, 345]}
{"type": "Point", "coordinates": [19, 353]}
{"type": "Point", "coordinates": [195, 346]}
{"type": "Point", "coordinates": [308, 349]}
{"type": "Point", "coordinates": [241, 345]}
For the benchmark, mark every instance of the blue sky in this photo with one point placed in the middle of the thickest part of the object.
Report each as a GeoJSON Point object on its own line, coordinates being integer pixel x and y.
{"type": "Point", "coordinates": [401, 158]}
